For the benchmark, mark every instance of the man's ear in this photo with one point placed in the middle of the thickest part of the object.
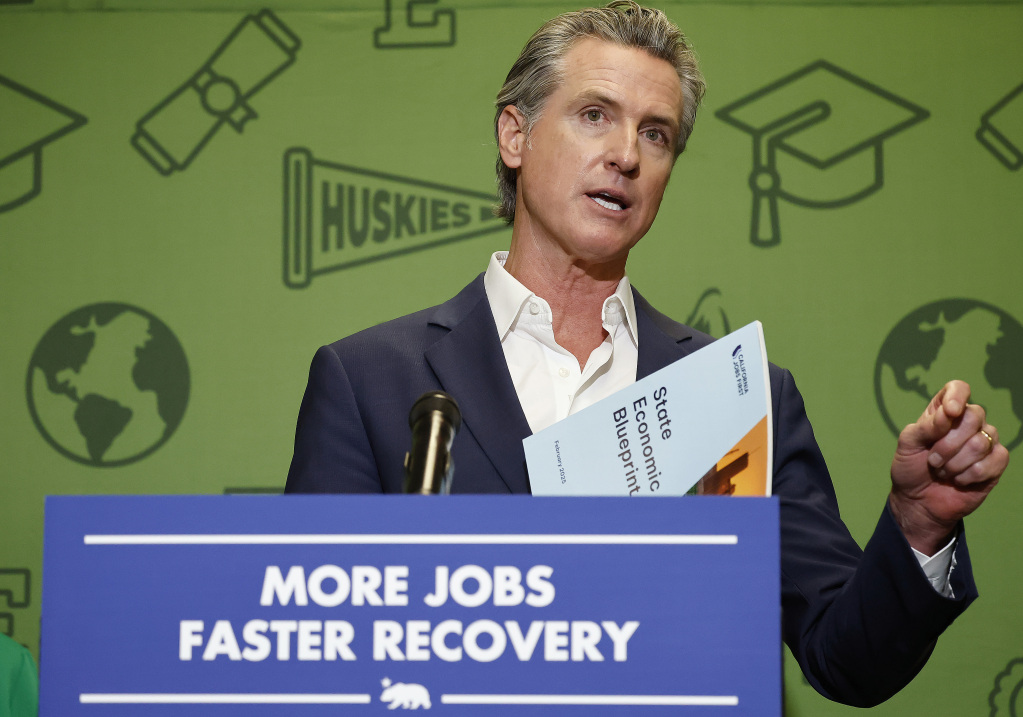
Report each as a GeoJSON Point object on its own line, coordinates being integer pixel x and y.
{"type": "Point", "coordinates": [511, 136]}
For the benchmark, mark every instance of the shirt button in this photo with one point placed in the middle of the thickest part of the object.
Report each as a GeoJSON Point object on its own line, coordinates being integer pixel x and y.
{"type": "Point", "coordinates": [563, 372]}
{"type": "Point", "coordinates": [534, 308]}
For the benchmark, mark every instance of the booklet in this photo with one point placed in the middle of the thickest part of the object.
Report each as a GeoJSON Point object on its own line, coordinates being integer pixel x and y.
{"type": "Point", "coordinates": [701, 425]}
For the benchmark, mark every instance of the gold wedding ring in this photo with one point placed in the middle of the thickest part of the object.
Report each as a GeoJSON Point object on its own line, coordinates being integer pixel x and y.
{"type": "Point", "coordinates": [990, 440]}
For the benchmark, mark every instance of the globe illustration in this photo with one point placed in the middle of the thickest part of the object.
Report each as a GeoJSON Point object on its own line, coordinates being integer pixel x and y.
{"type": "Point", "coordinates": [954, 338]}
{"type": "Point", "coordinates": [108, 384]}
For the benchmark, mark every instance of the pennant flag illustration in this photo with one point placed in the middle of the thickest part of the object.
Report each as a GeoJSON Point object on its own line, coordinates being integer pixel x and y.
{"type": "Point", "coordinates": [337, 216]}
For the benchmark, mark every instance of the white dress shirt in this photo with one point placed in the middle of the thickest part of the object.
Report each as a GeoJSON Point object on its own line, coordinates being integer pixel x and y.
{"type": "Point", "coordinates": [547, 378]}
{"type": "Point", "coordinates": [550, 385]}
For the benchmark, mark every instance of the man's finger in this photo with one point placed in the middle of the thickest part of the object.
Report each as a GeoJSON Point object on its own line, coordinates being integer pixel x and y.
{"type": "Point", "coordinates": [954, 396]}
{"type": "Point", "coordinates": [976, 448]}
{"type": "Point", "coordinates": [985, 473]}
{"type": "Point", "coordinates": [937, 419]}
{"type": "Point", "coordinates": [957, 440]}
{"type": "Point", "coordinates": [931, 427]}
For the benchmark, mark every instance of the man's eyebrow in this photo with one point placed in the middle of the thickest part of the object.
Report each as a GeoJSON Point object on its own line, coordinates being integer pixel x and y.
{"type": "Point", "coordinates": [597, 96]}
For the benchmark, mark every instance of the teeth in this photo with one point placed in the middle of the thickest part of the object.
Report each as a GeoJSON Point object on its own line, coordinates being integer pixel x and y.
{"type": "Point", "coordinates": [605, 203]}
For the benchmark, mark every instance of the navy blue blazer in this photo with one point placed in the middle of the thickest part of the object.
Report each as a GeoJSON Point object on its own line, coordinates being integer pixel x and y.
{"type": "Point", "coordinates": [861, 623]}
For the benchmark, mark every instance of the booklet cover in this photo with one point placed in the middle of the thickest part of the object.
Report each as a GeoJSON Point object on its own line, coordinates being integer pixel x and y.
{"type": "Point", "coordinates": [699, 426]}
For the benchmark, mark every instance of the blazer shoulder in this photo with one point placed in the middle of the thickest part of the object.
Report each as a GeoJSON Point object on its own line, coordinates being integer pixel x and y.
{"type": "Point", "coordinates": [668, 326]}
{"type": "Point", "coordinates": [695, 340]}
{"type": "Point", "coordinates": [413, 333]}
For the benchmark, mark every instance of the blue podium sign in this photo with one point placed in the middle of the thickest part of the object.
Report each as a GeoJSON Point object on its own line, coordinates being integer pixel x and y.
{"type": "Point", "coordinates": [461, 605]}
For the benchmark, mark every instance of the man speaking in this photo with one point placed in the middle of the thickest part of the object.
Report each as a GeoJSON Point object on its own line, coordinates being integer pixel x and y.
{"type": "Point", "coordinates": [590, 121]}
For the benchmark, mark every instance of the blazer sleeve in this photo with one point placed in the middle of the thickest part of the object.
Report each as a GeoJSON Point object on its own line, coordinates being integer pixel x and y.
{"type": "Point", "coordinates": [861, 624]}
{"type": "Point", "coordinates": [332, 449]}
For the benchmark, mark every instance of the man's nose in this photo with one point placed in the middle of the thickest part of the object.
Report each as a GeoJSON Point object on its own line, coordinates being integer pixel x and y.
{"type": "Point", "coordinates": [623, 149]}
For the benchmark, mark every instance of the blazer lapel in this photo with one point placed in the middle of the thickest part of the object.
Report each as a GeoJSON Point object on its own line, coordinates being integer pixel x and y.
{"type": "Point", "coordinates": [469, 363]}
{"type": "Point", "coordinates": [661, 340]}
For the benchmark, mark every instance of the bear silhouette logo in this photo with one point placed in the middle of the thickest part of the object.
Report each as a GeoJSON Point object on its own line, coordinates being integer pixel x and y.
{"type": "Point", "coordinates": [406, 696]}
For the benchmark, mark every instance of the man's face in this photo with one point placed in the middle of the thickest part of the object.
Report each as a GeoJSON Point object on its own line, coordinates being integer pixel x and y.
{"type": "Point", "coordinates": [594, 166]}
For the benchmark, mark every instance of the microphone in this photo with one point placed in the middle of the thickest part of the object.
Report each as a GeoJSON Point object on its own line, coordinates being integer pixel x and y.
{"type": "Point", "coordinates": [434, 419]}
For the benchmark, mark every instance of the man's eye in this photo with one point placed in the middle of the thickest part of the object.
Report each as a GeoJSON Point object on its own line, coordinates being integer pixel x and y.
{"type": "Point", "coordinates": [654, 135]}
{"type": "Point", "coordinates": [593, 115]}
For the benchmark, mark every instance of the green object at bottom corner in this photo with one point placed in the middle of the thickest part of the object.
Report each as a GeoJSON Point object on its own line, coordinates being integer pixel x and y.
{"type": "Point", "coordinates": [19, 682]}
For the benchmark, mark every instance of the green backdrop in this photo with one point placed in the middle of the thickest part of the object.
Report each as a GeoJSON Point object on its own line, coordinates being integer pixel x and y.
{"type": "Point", "coordinates": [195, 195]}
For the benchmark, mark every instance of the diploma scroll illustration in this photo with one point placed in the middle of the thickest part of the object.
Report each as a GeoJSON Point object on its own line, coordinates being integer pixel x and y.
{"type": "Point", "coordinates": [175, 131]}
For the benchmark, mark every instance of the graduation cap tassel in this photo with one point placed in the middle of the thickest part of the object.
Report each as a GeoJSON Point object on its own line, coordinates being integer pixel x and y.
{"type": "Point", "coordinates": [764, 227]}
{"type": "Point", "coordinates": [765, 180]}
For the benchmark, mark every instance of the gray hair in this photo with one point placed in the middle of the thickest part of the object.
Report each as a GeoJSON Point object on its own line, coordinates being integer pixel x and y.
{"type": "Point", "coordinates": [538, 70]}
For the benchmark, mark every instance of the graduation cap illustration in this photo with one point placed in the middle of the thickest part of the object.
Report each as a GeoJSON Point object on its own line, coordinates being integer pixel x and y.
{"type": "Point", "coordinates": [1001, 129]}
{"type": "Point", "coordinates": [29, 122]}
{"type": "Point", "coordinates": [818, 137]}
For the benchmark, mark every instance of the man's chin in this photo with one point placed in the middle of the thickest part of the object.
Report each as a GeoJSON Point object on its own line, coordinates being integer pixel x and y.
{"type": "Point", "coordinates": [609, 251]}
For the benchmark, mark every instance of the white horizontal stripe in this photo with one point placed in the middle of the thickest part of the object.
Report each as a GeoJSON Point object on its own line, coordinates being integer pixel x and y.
{"type": "Point", "coordinates": [639, 700]}
{"type": "Point", "coordinates": [222, 699]}
{"type": "Point", "coordinates": [413, 539]}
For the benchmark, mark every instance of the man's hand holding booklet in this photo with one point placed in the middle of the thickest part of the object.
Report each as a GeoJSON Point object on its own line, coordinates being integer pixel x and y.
{"type": "Point", "coordinates": [699, 426]}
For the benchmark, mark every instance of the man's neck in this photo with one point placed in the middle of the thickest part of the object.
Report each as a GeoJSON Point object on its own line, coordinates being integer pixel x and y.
{"type": "Point", "coordinates": [575, 293]}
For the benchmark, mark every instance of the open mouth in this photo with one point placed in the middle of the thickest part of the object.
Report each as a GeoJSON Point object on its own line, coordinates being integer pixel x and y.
{"type": "Point", "coordinates": [608, 201]}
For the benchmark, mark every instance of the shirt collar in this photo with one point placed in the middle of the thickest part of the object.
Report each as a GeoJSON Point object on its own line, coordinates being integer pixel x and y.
{"type": "Point", "coordinates": [508, 297]}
